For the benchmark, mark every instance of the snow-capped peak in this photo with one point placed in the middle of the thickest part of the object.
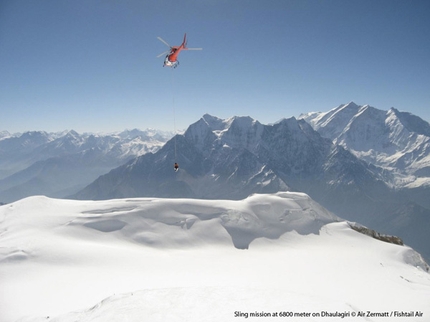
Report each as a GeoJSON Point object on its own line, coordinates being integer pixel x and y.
{"type": "Point", "coordinates": [4, 134]}
{"type": "Point", "coordinates": [332, 123]}
{"type": "Point", "coordinates": [214, 123]}
{"type": "Point", "coordinates": [397, 141]}
{"type": "Point", "coordinates": [232, 132]}
{"type": "Point", "coordinates": [411, 122]}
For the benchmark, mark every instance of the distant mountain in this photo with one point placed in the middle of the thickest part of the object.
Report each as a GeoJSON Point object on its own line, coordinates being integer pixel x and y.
{"type": "Point", "coordinates": [16, 150]}
{"type": "Point", "coordinates": [59, 164]}
{"type": "Point", "coordinates": [398, 142]}
{"type": "Point", "coordinates": [233, 158]}
{"type": "Point", "coordinates": [4, 134]}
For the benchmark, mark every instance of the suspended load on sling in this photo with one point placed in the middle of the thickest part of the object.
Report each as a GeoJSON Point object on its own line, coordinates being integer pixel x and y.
{"type": "Point", "coordinates": [171, 60]}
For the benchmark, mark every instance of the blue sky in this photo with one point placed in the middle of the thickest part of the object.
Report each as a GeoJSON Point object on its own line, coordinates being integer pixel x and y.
{"type": "Point", "coordinates": [90, 65]}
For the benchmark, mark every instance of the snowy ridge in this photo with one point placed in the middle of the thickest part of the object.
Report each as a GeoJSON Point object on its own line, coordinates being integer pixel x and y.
{"type": "Point", "coordinates": [168, 222]}
{"type": "Point", "coordinates": [397, 141]}
{"type": "Point", "coordinates": [156, 260]}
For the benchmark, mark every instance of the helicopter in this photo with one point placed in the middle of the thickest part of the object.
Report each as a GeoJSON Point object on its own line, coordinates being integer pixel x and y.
{"type": "Point", "coordinates": [171, 59]}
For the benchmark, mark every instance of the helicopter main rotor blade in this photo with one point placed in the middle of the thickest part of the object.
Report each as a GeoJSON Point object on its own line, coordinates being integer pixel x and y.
{"type": "Point", "coordinates": [193, 48]}
{"type": "Point", "coordinates": [164, 42]}
{"type": "Point", "coordinates": [162, 54]}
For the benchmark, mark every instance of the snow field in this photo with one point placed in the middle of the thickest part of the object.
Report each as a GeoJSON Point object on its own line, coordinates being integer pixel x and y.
{"type": "Point", "coordinates": [174, 260]}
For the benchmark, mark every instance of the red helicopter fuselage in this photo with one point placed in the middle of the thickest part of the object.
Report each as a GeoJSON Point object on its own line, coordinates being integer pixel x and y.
{"type": "Point", "coordinates": [171, 59]}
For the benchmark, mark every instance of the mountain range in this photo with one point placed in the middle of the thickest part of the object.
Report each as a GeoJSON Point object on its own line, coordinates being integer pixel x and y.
{"type": "Point", "coordinates": [361, 163]}
{"type": "Point", "coordinates": [59, 164]}
{"type": "Point", "coordinates": [398, 142]}
{"type": "Point", "coordinates": [235, 157]}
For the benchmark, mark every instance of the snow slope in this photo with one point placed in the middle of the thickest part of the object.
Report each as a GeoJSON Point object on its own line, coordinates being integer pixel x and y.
{"type": "Point", "coordinates": [150, 259]}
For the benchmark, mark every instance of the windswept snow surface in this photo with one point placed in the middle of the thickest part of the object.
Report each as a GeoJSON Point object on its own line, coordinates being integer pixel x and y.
{"type": "Point", "coordinates": [152, 259]}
